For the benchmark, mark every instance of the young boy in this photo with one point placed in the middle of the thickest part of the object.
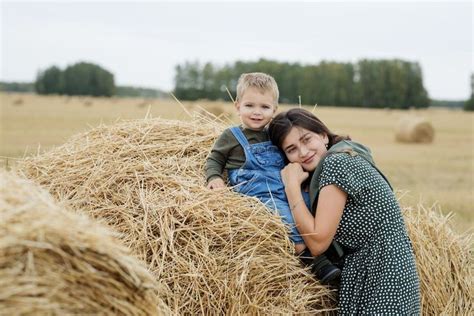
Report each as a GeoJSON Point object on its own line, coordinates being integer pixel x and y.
{"type": "Point", "coordinates": [253, 163]}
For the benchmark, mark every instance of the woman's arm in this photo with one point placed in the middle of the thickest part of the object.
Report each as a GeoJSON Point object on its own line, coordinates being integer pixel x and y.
{"type": "Point", "coordinates": [317, 232]}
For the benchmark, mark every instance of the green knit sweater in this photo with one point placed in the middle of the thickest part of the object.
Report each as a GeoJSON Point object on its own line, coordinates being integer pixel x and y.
{"type": "Point", "coordinates": [227, 152]}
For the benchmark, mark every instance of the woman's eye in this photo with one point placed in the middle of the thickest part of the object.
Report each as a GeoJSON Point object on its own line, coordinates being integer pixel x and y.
{"type": "Point", "coordinates": [306, 139]}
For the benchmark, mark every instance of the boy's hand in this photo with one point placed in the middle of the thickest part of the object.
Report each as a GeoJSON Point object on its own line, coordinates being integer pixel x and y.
{"type": "Point", "coordinates": [216, 183]}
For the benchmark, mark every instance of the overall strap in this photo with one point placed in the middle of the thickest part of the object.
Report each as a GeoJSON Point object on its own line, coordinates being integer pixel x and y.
{"type": "Point", "coordinates": [240, 137]}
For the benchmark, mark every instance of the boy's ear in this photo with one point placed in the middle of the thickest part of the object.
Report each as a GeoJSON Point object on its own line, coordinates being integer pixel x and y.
{"type": "Point", "coordinates": [237, 105]}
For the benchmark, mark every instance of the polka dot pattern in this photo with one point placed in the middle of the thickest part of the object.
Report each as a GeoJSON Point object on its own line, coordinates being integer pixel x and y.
{"type": "Point", "coordinates": [380, 277]}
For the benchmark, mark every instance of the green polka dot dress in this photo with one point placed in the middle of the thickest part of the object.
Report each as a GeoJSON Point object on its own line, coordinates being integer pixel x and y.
{"type": "Point", "coordinates": [380, 277]}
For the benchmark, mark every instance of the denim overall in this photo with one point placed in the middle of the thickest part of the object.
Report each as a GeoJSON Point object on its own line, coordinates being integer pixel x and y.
{"type": "Point", "coordinates": [260, 177]}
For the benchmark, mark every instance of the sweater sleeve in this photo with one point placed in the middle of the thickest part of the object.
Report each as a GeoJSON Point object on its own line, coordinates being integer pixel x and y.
{"type": "Point", "coordinates": [217, 158]}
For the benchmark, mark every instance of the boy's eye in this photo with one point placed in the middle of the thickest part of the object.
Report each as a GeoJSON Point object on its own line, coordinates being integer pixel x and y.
{"type": "Point", "coordinates": [266, 107]}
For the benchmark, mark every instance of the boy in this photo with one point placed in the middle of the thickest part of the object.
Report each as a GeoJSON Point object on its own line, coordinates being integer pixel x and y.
{"type": "Point", "coordinates": [253, 163]}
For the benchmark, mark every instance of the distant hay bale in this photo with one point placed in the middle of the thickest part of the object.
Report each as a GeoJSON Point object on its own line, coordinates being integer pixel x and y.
{"type": "Point", "coordinates": [55, 262]}
{"type": "Point", "coordinates": [444, 262]}
{"type": "Point", "coordinates": [214, 110]}
{"type": "Point", "coordinates": [18, 102]}
{"type": "Point", "coordinates": [88, 103]}
{"type": "Point", "coordinates": [414, 130]}
{"type": "Point", "coordinates": [143, 104]}
{"type": "Point", "coordinates": [217, 252]}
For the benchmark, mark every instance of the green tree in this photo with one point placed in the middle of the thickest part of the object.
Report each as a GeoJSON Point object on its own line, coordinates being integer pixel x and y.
{"type": "Point", "coordinates": [88, 79]}
{"type": "Point", "coordinates": [17, 86]}
{"type": "Point", "coordinates": [189, 82]}
{"type": "Point", "coordinates": [50, 81]}
{"type": "Point", "coordinates": [416, 95]}
{"type": "Point", "coordinates": [391, 83]}
{"type": "Point", "coordinates": [469, 105]}
{"type": "Point", "coordinates": [307, 85]}
{"type": "Point", "coordinates": [371, 83]}
{"type": "Point", "coordinates": [368, 83]}
{"type": "Point", "coordinates": [290, 76]}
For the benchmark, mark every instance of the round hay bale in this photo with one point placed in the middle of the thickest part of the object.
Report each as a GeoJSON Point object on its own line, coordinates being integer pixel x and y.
{"type": "Point", "coordinates": [213, 111]}
{"type": "Point", "coordinates": [88, 103]}
{"type": "Point", "coordinates": [143, 103]}
{"type": "Point", "coordinates": [444, 263]}
{"type": "Point", "coordinates": [18, 101]}
{"type": "Point", "coordinates": [55, 262]}
{"type": "Point", "coordinates": [414, 130]}
{"type": "Point", "coordinates": [216, 110]}
{"type": "Point", "coordinates": [217, 252]}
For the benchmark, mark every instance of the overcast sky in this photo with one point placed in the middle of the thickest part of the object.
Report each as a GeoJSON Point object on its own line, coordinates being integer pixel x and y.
{"type": "Point", "coordinates": [141, 42]}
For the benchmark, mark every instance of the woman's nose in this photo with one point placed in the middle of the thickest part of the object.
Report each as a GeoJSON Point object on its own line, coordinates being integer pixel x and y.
{"type": "Point", "coordinates": [303, 151]}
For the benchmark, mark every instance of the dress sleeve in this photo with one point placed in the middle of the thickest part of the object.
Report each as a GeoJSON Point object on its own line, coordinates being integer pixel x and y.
{"type": "Point", "coordinates": [341, 170]}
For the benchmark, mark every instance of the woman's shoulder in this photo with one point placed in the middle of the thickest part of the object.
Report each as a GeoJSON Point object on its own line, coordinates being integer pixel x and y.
{"type": "Point", "coordinates": [337, 158]}
{"type": "Point", "coordinates": [343, 163]}
{"type": "Point", "coordinates": [347, 152]}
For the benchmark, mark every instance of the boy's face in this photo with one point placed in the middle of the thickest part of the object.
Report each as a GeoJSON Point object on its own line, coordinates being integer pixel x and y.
{"type": "Point", "coordinates": [256, 108]}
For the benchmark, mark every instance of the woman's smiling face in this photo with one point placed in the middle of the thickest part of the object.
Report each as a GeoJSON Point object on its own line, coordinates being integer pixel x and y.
{"type": "Point", "coordinates": [305, 147]}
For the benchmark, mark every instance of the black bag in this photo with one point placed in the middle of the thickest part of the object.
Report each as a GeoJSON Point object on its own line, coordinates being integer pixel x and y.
{"type": "Point", "coordinates": [336, 253]}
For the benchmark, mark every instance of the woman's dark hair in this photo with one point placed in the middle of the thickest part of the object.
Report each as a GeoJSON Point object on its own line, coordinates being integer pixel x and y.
{"type": "Point", "coordinates": [281, 126]}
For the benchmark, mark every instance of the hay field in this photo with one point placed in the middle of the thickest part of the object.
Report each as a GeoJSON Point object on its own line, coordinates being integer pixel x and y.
{"type": "Point", "coordinates": [439, 173]}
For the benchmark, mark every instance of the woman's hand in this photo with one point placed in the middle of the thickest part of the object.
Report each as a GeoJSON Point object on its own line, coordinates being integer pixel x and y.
{"type": "Point", "coordinates": [293, 175]}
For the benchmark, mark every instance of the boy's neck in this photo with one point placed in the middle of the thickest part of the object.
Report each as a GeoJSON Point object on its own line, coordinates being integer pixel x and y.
{"type": "Point", "coordinates": [253, 129]}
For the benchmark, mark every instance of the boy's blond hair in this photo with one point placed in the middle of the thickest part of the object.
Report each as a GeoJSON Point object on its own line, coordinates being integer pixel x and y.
{"type": "Point", "coordinates": [259, 80]}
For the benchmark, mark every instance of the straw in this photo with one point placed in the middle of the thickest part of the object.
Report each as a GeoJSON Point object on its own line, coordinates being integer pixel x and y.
{"type": "Point", "coordinates": [444, 262]}
{"type": "Point", "coordinates": [217, 252]}
{"type": "Point", "coordinates": [55, 262]}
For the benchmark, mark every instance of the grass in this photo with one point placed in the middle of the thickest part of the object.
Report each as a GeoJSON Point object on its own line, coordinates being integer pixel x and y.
{"type": "Point", "coordinates": [440, 173]}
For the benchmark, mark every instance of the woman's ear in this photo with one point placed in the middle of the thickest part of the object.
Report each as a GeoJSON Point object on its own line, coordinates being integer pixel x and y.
{"type": "Point", "coordinates": [326, 139]}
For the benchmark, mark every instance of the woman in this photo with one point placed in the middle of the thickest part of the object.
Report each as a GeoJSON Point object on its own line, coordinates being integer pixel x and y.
{"type": "Point", "coordinates": [352, 203]}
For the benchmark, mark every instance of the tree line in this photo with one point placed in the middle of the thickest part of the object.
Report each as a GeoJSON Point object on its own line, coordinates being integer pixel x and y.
{"type": "Point", "coordinates": [79, 79]}
{"type": "Point", "coordinates": [469, 105]}
{"type": "Point", "coordinates": [147, 93]}
{"type": "Point", "coordinates": [120, 91]}
{"type": "Point", "coordinates": [19, 87]}
{"type": "Point", "coordinates": [85, 79]}
{"type": "Point", "coordinates": [366, 83]}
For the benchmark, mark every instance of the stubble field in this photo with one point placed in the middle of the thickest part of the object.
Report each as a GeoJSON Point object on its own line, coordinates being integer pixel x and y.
{"type": "Point", "coordinates": [438, 174]}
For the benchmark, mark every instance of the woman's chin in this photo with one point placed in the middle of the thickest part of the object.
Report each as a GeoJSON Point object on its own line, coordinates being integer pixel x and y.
{"type": "Point", "coordinates": [307, 168]}
{"type": "Point", "coordinates": [310, 167]}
